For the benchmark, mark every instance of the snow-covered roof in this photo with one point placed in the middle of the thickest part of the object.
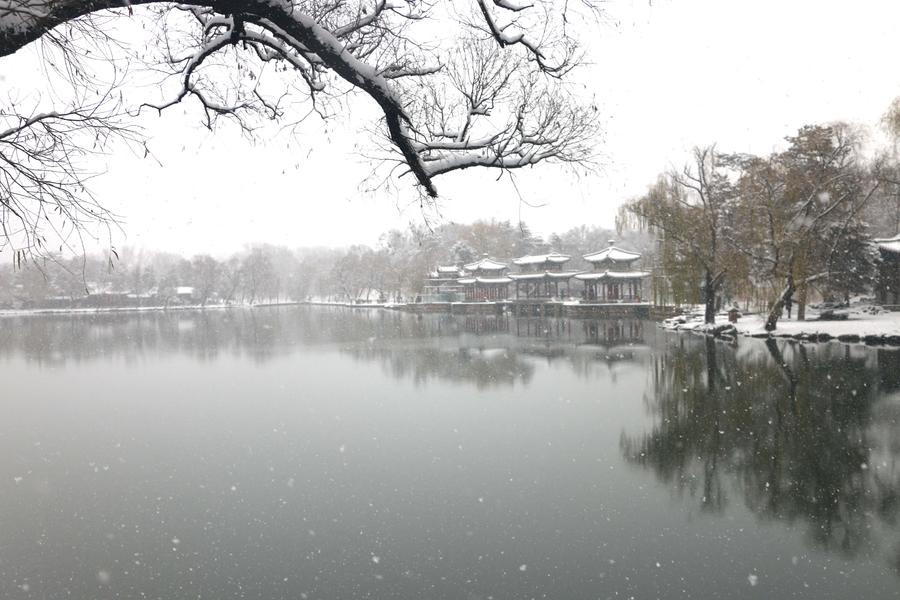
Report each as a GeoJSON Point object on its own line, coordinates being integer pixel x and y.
{"type": "Point", "coordinates": [485, 264]}
{"type": "Point", "coordinates": [184, 290]}
{"type": "Point", "coordinates": [445, 272]}
{"type": "Point", "coordinates": [613, 254]}
{"type": "Point", "coordinates": [544, 275]}
{"type": "Point", "coordinates": [537, 259]}
{"type": "Point", "coordinates": [488, 280]}
{"type": "Point", "coordinates": [891, 245]}
{"type": "Point", "coordinates": [612, 275]}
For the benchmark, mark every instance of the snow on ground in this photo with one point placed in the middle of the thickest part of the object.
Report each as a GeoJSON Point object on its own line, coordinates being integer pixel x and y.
{"type": "Point", "coordinates": [29, 312]}
{"type": "Point", "coordinates": [863, 321]}
{"type": "Point", "coordinates": [861, 324]}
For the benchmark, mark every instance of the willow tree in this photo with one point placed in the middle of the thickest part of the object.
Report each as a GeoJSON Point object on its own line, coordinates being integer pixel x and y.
{"type": "Point", "coordinates": [462, 84]}
{"type": "Point", "coordinates": [883, 212]}
{"type": "Point", "coordinates": [690, 210]}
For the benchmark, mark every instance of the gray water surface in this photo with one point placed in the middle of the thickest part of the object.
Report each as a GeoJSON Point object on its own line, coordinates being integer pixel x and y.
{"type": "Point", "coordinates": [330, 453]}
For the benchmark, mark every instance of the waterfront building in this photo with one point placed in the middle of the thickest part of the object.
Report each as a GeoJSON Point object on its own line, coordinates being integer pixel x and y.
{"type": "Point", "coordinates": [485, 280]}
{"type": "Point", "coordinates": [442, 285]}
{"type": "Point", "coordinates": [541, 276]}
{"type": "Point", "coordinates": [614, 276]}
{"type": "Point", "coordinates": [887, 286]}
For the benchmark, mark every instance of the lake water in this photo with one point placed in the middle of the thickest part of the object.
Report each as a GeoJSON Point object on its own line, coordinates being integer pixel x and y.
{"type": "Point", "coordinates": [306, 453]}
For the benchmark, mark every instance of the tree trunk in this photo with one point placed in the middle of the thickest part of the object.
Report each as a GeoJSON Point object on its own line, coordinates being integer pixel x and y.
{"type": "Point", "coordinates": [709, 299]}
{"type": "Point", "coordinates": [778, 307]}
{"type": "Point", "coordinates": [801, 302]}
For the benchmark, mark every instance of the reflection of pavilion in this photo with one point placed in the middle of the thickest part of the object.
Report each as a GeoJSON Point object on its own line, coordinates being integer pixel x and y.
{"type": "Point", "coordinates": [479, 324]}
{"type": "Point", "coordinates": [614, 332]}
{"type": "Point", "coordinates": [544, 328]}
{"type": "Point", "coordinates": [614, 277]}
{"type": "Point", "coordinates": [498, 350]}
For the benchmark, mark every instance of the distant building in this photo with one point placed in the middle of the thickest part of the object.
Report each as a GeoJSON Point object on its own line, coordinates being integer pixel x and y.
{"type": "Point", "coordinates": [540, 276]}
{"type": "Point", "coordinates": [185, 293]}
{"type": "Point", "coordinates": [442, 285]}
{"type": "Point", "coordinates": [614, 277]}
{"type": "Point", "coordinates": [887, 287]}
{"type": "Point", "coordinates": [485, 280]}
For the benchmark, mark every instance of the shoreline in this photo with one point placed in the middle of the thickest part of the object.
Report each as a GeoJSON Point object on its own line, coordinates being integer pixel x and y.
{"type": "Point", "coordinates": [34, 312]}
{"type": "Point", "coordinates": [864, 325]}
{"type": "Point", "coordinates": [38, 312]}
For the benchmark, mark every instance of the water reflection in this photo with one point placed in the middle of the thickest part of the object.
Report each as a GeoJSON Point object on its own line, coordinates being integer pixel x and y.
{"type": "Point", "coordinates": [797, 433]}
{"type": "Point", "coordinates": [503, 351]}
{"type": "Point", "coordinates": [262, 334]}
{"type": "Point", "coordinates": [285, 449]}
{"type": "Point", "coordinates": [485, 350]}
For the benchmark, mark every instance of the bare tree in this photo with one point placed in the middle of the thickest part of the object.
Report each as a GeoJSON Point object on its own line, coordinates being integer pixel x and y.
{"type": "Point", "coordinates": [44, 175]}
{"type": "Point", "coordinates": [689, 210]}
{"type": "Point", "coordinates": [490, 94]}
{"type": "Point", "coordinates": [799, 208]}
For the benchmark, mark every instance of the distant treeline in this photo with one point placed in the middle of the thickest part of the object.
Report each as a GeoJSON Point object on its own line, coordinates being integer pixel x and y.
{"type": "Point", "coordinates": [394, 269]}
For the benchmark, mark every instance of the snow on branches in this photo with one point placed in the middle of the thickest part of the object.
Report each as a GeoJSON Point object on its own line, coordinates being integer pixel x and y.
{"type": "Point", "coordinates": [458, 85]}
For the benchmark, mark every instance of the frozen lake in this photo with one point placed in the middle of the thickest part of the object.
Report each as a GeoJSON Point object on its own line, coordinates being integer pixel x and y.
{"type": "Point", "coordinates": [306, 453]}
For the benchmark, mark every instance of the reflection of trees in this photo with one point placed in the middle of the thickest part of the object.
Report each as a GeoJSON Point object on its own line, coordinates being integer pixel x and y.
{"type": "Point", "coordinates": [491, 350]}
{"type": "Point", "coordinates": [792, 430]}
{"type": "Point", "coordinates": [485, 367]}
{"type": "Point", "coordinates": [260, 334]}
{"type": "Point", "coordinates": [487, 350]}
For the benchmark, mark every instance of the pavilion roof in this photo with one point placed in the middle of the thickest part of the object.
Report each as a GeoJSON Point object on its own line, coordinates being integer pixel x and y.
{"type": "Point", "coordinates": [543, 275]}
{"type": "Point", "coordinates": [612, 275]}
{"type": "Point", "coordinates": [486, 280]}
{"type": "Point", "coordinates": [537, 259]}
{"type": "Point", "coordinates": [613, 254]}
{"type": "Point", "coordinates": [485, 264]}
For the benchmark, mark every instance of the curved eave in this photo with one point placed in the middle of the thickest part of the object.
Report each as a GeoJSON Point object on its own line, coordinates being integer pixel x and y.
{"type": "Point", "coordinates": [485, 280]}
{"type": "Point", "coordinates": [557, 259]}
{"type": "Point", "coordinates": [616, 255]}
{"type": "Point", "coordinates": [612, 275]}
{"type": "Point", "coordinates": [551, 275]}
{"type": "Point", "coordinates": [485, 264]}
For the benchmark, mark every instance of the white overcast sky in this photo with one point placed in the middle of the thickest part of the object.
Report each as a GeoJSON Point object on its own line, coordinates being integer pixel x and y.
{"type": "Point", "coordinates": [667, 75]}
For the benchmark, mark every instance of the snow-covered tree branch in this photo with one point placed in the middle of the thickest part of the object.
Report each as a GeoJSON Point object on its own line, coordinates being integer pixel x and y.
{"type": "Point", "coordinates": [467, 84]}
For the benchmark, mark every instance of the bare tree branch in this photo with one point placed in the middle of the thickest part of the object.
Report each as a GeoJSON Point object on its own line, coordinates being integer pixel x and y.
{"type": "Point", "coordinates": [506, 109]}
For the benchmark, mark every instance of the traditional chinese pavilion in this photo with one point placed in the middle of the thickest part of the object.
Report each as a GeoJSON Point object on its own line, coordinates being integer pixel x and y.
{"type": "Point", "coordinates": [442, 284]}
{"type": "Point", "coordinates": [887, 287]}
{"type": "Point", "coordinates": [614, 277]}
{"type": "Point", "coordinates": [485, 280]}
{"type": "Point", "coordinates": [540, 276]}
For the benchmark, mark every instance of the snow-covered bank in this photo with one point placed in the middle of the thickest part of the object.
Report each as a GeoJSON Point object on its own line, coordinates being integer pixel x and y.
{"type": "Point", "coordinates": [352, 304]}
{"type": "Point", "coordinates": [26, 312]}
{"type": "Point", "coordinates": [863, 324]}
